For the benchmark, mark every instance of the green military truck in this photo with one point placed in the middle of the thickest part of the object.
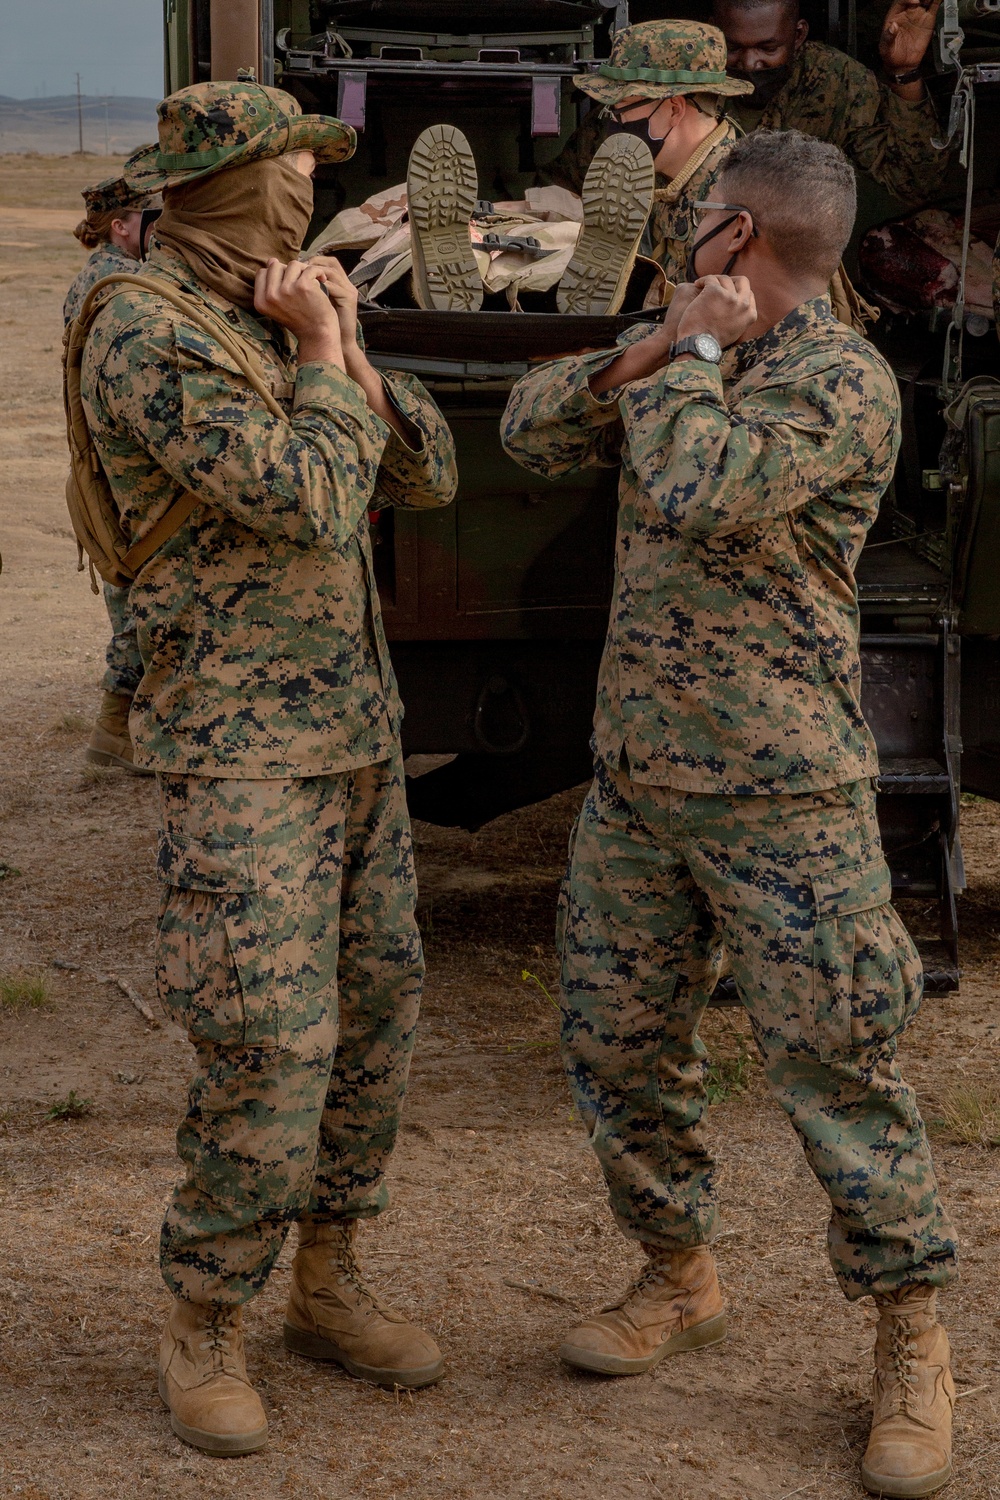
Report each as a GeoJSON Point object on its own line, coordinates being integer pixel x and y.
{"type": "Point", "coordinates": [496, 608]}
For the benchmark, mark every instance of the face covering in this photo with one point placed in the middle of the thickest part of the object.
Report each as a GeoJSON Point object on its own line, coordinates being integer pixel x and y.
{"type": "Point", "coordinates": [690, 270]}
{"type": "Point", "coordinates": [227, 226]}
{"type": "Point", "coordinates": [767, 82]}
{"type": "Point", "coordinates": [640, 129]}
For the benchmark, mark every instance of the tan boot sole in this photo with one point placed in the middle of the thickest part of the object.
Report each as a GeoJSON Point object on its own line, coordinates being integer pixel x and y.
{"type": "Point", "coordinates": [442, 185]}
{"type": "Point", "coordinates": [311, 1346]}
{"type": "Point", "coordinates": [617, 197]}
{"type": "Point", "coordinates": [712, 1331]}
{"type": "Point", "coordinates": [219, 1445]}
{"type": "Point", "coordinates": [905, 1489]}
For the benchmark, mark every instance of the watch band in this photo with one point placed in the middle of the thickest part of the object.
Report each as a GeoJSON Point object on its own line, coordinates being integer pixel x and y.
{"type": "Point", "coordinates": [689, 345]}
{"type": "Point", "coordinates": [913, 76]}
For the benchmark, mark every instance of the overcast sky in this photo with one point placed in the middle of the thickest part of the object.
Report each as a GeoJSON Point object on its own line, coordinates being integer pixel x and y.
{"type": "Point", "coordinates": [115, 45]}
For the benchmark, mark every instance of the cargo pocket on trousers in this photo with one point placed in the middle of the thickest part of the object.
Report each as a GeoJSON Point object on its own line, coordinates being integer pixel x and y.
{"type": "Point", "coordinates": [866, 971]}
{"type": "Point", "coordinates": [214, 962]}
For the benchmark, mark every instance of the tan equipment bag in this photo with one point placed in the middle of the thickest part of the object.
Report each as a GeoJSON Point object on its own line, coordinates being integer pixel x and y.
{"type": "Point", "coordinates": [92, 509]}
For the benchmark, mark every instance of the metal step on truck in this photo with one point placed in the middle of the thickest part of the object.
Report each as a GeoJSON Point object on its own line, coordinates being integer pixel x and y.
{"type": "Point", "coordinates": [496, 607]}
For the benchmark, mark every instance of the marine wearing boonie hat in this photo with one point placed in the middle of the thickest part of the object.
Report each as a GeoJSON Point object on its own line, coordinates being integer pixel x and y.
{"type": "Point", "coordinates": [210, 127]}
{"type": "Point", "coordinates": [116, 195]}
{"type": "Point", "coordinates": [658, 59]}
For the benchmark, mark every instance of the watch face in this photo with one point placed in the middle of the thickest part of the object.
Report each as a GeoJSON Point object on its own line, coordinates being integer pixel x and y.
{"type": "Point", "coordinates": [707, 348]}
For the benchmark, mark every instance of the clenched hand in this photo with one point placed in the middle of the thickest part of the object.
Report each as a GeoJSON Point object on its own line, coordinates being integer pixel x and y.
{"type": "Point", "coordinates": [294, 295]}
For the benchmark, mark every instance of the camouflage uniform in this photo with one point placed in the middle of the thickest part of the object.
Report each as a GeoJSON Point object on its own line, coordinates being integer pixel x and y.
{"type": "Point", "coordinates": [672, 223]}
{"type": "Point", "coordinates": [732, 801]}
{"type": "Point", "coordinates": [106, 260]}
{"type": "Point", "coordinates": [123, 671]}
{"type": "Point", "coordinates": [269, 710]}
{"type": "Point", "coordinates": [831, 96]}
{"type": "Point", "coordinates": [660, 60]}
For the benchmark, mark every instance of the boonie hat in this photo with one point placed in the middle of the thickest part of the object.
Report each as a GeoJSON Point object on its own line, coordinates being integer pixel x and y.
{"type": "Point", "coordinates": [210, 127]}
{"type": "Point", "coordinates": [658, 59]}
{"type": "Point", "coordinates": [115, 194]}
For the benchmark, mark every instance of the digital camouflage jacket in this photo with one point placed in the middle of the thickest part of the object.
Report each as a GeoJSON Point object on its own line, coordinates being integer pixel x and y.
{"type": "Point", "coordinates": [731, 663]}
{"type": "Point", "coordinates": [106, 260]}
{"type": "Point", "coordinates": [258, 621]}
{"type": "Point", "coordinates": [672, 222]}
{"type": "Point", "coordinates": [833, 97]}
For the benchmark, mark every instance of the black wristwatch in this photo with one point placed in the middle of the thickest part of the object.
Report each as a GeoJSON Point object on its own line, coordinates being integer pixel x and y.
{"type": "Point", "coordinates": [913, 76]}
{"type": "Point", "coordinates": [702, 345]}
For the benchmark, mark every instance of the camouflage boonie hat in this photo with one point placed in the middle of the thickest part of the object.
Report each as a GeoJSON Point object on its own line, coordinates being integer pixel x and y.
{"type": "Point", "coordinates": [115, 194]}
{"type": "Point", "coordinates": [658, 59]}
{"type": "Point", "coordinates": [211, 127]}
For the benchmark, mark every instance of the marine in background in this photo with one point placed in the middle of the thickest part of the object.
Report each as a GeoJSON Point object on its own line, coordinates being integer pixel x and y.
{"type": "Point", "coordinates": [883, 125]}
{"type": "Point", "coordinates": [665, 82]}
{"type": "Point", "coordinates": [111, 229]}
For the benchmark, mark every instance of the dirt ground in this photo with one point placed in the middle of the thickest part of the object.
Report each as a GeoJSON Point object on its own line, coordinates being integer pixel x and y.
{"type": "Point", "coordinates": [498, 1232]}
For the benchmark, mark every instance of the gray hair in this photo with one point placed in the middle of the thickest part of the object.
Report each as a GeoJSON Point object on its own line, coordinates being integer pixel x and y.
{"type": "Point", "coordinates": [802, 194]}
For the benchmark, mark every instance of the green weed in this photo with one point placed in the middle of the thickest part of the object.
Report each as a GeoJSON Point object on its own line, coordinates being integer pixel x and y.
{"type": "Point", "coordinates": [972, 1115]}
{"type": "Point", "coordinates": [70, 1108]}
{"type": "Point", "coordinates": [728, 1077]}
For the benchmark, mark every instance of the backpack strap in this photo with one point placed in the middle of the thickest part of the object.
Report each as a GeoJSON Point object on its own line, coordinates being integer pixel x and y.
{"type": "Point", "coordinates": [171, 521]}
{"type": "Point", "coordinates": [196, 312]}
{"type": "Point", "coordinates": [239, 351]}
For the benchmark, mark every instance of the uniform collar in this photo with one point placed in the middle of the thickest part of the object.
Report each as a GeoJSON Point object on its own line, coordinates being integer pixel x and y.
{"type": "Point", "coordinates": [806, 319]}
{"type": "Point", "coordinates": [163, 262]}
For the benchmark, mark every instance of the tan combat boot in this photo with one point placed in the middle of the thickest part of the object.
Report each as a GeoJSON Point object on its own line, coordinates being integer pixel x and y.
{"type": "Point", "coordinates": [203, 1380]}
{"type": "Point", "coordinates": [913, 1394]}
{"type": "Point", "coordinates": [673, 1305]}
{"type": "Point", "coordinates": [332, 1315]}
{"type": "Point", "coordinates": [110, 743]}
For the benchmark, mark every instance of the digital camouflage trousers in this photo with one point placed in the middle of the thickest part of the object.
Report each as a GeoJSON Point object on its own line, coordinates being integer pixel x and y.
{"type": "Point", "coordinates": [288, 951]}
{"type": "Point", "coordinates": [796, 891]}
{"type": "Point", "coordinates": [123, 664]}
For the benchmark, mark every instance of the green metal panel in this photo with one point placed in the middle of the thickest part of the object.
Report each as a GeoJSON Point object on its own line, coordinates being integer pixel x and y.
{"type": "Point", "coordinates": [178, 61]}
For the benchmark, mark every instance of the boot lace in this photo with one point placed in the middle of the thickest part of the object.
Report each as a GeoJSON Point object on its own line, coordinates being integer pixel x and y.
{"type": "Point", "coordinates": [218, 1333]}
{"type": "Point", "coordinates": [652, 1275]}
{"type": "Point", "coordinates": [903, 1361]}
{"type": "Point", "coordinates": [345, 1263]}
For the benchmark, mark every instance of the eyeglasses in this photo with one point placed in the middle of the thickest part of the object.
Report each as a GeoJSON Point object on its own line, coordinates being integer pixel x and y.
{"type": "Point", "coordinates": [618, 115]}
{"type": "Point", "coordinates": [704, 206]}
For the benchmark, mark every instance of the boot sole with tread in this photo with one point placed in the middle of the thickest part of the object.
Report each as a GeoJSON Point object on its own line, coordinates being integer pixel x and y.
{"type": "Point", "coordinates": [905, 1489]}
{"type": "Point", "coordinates": [700, 1336]}
{"type": "Point", "coordinates": [312, 1346]}
{"type": "Point", "coordinates": [217, 1444]}
{"type": "Point", "coordinates": [442, 188]}
{"type": "Point", "coordinates": [617, 197]}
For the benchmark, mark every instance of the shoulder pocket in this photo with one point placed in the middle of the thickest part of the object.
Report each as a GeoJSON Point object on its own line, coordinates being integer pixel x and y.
{"type": "Point", "coordinates": [213, 387]}
{"type": "Point", "coordinates": [867, 975]}
{"type": "Point", "coordinates": [214, 960]}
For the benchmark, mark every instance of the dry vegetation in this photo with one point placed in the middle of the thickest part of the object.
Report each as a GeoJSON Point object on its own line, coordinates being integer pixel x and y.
{"type": "Point", "coordinates": [499, 1230]}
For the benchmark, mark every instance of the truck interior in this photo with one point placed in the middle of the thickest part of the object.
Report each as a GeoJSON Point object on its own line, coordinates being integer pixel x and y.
{"type": "Point", "coordinates": [496, 608]}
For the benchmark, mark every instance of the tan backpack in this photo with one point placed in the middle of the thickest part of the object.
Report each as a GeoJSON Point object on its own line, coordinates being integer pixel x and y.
{"type": "Point", "coordinates": [92, 509]}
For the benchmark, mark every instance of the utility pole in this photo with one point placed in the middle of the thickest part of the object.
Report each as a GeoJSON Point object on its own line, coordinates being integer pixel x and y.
{"type": "Point", "coordinates": [79, 116]}
{"type": "Point", "coordinates": [107, 150]}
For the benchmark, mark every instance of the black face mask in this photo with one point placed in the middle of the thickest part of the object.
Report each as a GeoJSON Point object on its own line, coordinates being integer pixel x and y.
{"type": "Point", "coordinates": [766, 83]}
{"type": "Point", "coordinates": [640, 129]}
{"type": "Point", "coordinates": [690, 270]}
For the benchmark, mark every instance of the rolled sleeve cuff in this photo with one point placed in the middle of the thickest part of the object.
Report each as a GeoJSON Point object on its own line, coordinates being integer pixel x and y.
{"type": "Point", "coordinates": [322, 386]}
{"type": "Point", "coordinates": [690, 378]}
{"type": "Point", "coordinates": [411, 409]}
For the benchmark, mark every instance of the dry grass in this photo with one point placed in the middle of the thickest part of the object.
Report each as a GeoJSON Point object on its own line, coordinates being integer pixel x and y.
{"type": "Point", "coordinates": [972, 1114]}
{"type": "Point", "coordinates": [20, 992]}
{"type": "Point", "coordinates": [70, 723]}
